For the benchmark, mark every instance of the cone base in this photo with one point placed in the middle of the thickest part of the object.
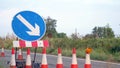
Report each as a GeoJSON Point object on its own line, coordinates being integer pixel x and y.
{"type": "Point", "coordinates": [87, 66]}
{"type": "Point", "coordinates": [28, 66]}
{"type": "Point", "coordinates": [74, 66]}
{"type": "Point", "coordinates": [2, 54]}
{"type": "Point", "coordinates": [12, 66]}
{"type": "Point", "coordinates": [59, 66]}
{"type": "Point", "coordinates": [20, 57]}
{"type": "Point", "coordinates": [44, 66]}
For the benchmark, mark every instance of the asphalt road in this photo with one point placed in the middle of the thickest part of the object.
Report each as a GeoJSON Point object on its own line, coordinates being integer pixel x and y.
{"type": "Point", "coordinates": [51, 59]}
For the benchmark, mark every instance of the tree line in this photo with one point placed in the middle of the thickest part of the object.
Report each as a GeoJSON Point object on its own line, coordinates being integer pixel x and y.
{"type": "Point", "coordinates": [101, 32]}
{"type": "Point", "coordinates": [97, 32]}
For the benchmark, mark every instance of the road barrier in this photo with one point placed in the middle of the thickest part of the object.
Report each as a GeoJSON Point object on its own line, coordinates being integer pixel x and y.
{"type": "Point", "coordinates": [44, 59]}
{"type": "Point", "coordinates": [20, 56]}
{"type": "Point", "coordinates": [2, 53]}
{"type": "Point", "coordinates": [28, 59]}
{"type": "Point", "coordinates": [74, 59]}
{"type": "Point", "coordinates": [59, 59]}
{"type": "Point", "coordinates": [87, 60]}
{"type": "Point", "coordinates": [22, 43]}
{"type": "Point", "coordinates": [59, 63]}
{"type": "Point", "coordinates": [13, 62]}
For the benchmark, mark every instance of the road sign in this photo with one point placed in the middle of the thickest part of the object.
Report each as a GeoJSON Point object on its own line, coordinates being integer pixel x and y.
{"type": "Point", "coordinates": [28, 26]}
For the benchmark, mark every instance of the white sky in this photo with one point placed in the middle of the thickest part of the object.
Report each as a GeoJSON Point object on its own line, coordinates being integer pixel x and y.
{"type": "Point", "coordinates": [82, 15]}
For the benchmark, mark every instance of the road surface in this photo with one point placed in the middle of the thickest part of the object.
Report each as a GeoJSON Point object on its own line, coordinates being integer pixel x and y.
{"type": "Point", "coordinates": [51, 59]}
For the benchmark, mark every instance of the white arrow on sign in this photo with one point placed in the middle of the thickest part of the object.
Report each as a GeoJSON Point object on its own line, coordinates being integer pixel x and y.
{"type": "Point", "coordinates": [34, 30]}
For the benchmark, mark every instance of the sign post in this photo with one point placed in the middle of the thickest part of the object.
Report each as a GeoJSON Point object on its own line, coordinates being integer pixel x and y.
{"type": "Point", "coordinates": [29, 26]}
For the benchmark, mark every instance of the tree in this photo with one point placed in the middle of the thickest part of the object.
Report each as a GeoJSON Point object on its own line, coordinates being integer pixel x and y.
{"type": "Point", "coordinates": [89, 36]}
{"type": "Point", "coordinates": [50, 27]}
{"type": "Point", "coordinates": [108, 32]}
{"type": "Point", "coordinates": [103, 32]}
{"type": "Point", "coordinates": [61, 35]}
{"type": "Point", "coordinates": [95, 31]}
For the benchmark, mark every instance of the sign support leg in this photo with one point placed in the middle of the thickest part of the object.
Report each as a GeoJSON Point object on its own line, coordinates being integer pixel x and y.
{"type": "Point", "coordinates": [35, 54]}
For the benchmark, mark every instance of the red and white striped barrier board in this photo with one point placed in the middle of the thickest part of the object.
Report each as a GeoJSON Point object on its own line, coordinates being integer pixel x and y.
{"type": "Point", "coordinates": [22, 43]}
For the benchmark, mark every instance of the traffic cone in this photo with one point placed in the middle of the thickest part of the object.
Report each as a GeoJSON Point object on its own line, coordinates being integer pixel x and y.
{"type": "Point", "coordinates": [28, 59]}
{"type": "Point", "coordinates": [87, 60]}
{"type": "Point", "coordinates": [13, 62]}
{"type": "Point", "coordinates": [20, 56]}
{"type": "Point", "coordinates": [59, 60]}
{"type": "Point", "coordinates": [74, 59]}
{"type": "Point", "coordinates": [2, 53]}
{"type": "Point", "coordinates": [44, 59]}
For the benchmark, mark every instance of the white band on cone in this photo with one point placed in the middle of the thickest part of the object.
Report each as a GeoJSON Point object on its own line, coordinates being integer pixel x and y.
{"type": "Point", "coordinates": [2, 49]}
{"type": "Point", "coordinates": [12, 62]}
{"type": "Point", "coordinates": [59, 60]}
{"type": "Point", "coordinates": [74, 59]}
{"type": "Point", "coordinates": [87, 61]}
{"type": "Point", "coordinates": [44, 59]}
{"type": "Point", "coordinates": [20, 52]}
{"type": "Point", "coordinates": [28, 60]}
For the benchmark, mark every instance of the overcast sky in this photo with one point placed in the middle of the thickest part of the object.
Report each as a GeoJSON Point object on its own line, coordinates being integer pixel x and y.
{"type": "Point", "coordinates": [82, 15]}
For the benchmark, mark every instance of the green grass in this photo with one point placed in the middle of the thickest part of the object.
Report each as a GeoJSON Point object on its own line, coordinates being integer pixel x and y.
{"type": "Point", "coordinates": [103, 49]}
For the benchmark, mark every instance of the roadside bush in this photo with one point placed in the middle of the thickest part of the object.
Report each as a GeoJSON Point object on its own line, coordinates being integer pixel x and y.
{"type": "Point", "coordinates": [107, 49]}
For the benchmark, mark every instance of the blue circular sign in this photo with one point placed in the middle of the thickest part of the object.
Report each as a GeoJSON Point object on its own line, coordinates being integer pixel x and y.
{"type": "Point", "coordinates": [28, 26]}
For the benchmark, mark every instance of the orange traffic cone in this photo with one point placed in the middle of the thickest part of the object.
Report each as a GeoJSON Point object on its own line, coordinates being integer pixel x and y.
{"type": "Point", "coordinates": [13, 62]}
{"type": "Point", "coordinates": [74, 59]}
{"type": "Point", "coordinates": [59, 60]}
{"type": "Point", "coordinates": [2, 53]}
{"type": "Point", "coordinates": [87, 60]}
{"type": "Point", "coordinates": [44, 59]}
{"type": "Point", "coordinates": [28, 59]}
{"type": "Point", "coordinates": [20, 56]}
